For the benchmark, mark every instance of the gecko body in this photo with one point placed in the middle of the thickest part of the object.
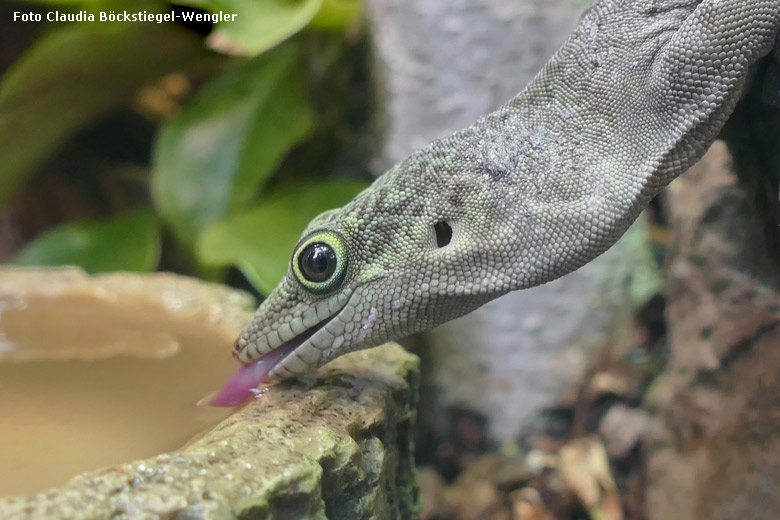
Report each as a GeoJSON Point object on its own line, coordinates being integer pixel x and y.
{"type": "Point", "coordinates": [526, 194]}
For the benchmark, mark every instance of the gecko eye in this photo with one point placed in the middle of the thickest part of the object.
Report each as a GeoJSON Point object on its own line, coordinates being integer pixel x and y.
{"type": "Point", "coordinates": [319, 261]}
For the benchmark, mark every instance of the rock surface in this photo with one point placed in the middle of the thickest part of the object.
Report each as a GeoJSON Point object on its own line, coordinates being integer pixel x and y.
{"type": "Point", "coordinates": [334, 445]}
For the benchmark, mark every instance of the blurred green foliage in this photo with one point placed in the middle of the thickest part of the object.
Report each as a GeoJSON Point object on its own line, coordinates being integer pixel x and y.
{"type": "Point", "coordinates": [127, 242]}
{"type": "Point", "coordinates": [261, 25]}
{"type": "Point", "coordinates": [69, 78]}
{"type": "Point", "coordinates": [214, 180]}
{"type": "Point", "coordinates": [232, 241]}
{"type": "Point", "coordinates": [226, 142]}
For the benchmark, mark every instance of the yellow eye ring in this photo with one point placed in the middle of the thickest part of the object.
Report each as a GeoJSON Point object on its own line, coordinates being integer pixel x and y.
{"type": "Point", "coordinates": [319, 261]}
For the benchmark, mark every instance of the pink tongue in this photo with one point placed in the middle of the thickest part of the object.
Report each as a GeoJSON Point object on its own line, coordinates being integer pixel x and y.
{"type": "Point", "coordinates": [240, 385]}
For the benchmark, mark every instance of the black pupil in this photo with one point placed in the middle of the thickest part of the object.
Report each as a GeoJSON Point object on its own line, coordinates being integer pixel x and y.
{"type": "Point", "coordinates": [318, 262]}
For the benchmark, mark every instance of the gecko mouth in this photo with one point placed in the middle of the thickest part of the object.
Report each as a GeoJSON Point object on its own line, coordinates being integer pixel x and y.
{"type": "Point", "coordinates": [243, 382]}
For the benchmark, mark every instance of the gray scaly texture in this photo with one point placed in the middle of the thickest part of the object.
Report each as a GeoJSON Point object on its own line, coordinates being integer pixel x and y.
{"type": "Point", "coordinates": [530, 192]}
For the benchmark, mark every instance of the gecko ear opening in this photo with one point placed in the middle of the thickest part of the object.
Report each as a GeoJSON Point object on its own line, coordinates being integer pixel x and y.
{"type": "Point", "coordinates": [443, 233]}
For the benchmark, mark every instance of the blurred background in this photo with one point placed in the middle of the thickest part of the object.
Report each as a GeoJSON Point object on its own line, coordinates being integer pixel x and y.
{"type": "Point", "coordinates": [183, 147]}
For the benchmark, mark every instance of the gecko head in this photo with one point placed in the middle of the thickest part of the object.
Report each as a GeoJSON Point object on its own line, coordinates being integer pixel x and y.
{"type": "Point", "coordinates": [334, 299]}
{"type": "Point", "coordinates": [384, 266]}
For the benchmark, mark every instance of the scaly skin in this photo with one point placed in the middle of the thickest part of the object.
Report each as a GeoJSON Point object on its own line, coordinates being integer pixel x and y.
{"type": "Point", "coordinates": [532, 191]}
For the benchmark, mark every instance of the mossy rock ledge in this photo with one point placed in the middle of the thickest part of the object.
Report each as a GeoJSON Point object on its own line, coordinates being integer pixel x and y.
{"type": "Point", "coordinates": [334, 445]}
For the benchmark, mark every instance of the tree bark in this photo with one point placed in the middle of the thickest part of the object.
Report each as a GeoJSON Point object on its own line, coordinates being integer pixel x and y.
{"type": "Point", "coordinates": [716, 445]}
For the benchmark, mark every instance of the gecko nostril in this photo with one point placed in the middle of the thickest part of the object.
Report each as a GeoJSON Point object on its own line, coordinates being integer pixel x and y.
{"type": "Point", "coordinates": [236, 348]}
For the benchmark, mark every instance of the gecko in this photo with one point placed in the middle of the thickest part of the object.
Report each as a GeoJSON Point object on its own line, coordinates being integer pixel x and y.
{"type": "Point", "coordinates": [528, 193]}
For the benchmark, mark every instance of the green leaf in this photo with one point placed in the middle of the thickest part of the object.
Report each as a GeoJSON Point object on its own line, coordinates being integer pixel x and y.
{"type": "Point", "coordinates": [259, 241]}
{"type": "Point", "coordinates": [95, 6]}
{"type": "Point", "coordinates": [258, 25]}
{"type": "Point", "coordinates": [72, 76]}
{"type": "Point", "coordinates": [212, 157]}
{"type": "Point", "coordinates": [130, 242]}
{"type": "Point", "coordinates": [337, 14]}
{"type": "Point", "coordinates": [64, 2]}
